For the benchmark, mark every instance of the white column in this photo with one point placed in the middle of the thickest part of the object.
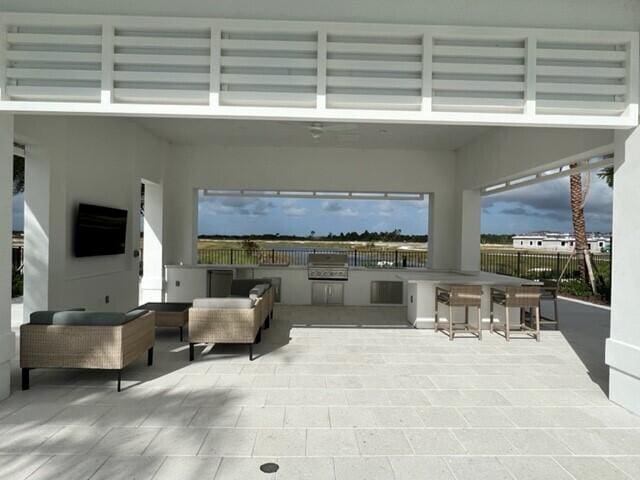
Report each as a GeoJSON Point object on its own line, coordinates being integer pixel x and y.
{"type": "Point", "coordinates": [468, 238]}
{"type": "Point", "coordinates": [454, 230]}
{"type": "Point", "coordinates": [151, 286]}
{"type": "Point", "coordinates": [37, 212]}
{"type": "Point", "coordinates": [7, 340]}
{"type": "Point", "coordinates": [623, 346]}
{"type": "Point", "coordinates": [441, 255]}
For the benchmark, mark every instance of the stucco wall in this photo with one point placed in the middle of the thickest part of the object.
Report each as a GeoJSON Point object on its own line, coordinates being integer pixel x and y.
{"type": "Point", "coordinates": [596, 14]}
{"type": "Point", "coordinates": [270, 168]}
{"type": "Point", "coordinates": [90, 160]}
{"type": "Point", "coordinates": [505, 152]}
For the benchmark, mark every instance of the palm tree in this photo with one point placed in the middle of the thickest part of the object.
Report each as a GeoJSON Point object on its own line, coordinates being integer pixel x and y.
{"type": "Point", "coordinates": [583, 257]}
{"type": "Point", "coordinates": [579, 229]}
{"type": "Point", "coordinates": [607, 175]}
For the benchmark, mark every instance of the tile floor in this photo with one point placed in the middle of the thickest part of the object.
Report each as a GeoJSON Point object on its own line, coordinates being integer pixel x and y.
{"type": "Point", "coordinates": [337, 393]}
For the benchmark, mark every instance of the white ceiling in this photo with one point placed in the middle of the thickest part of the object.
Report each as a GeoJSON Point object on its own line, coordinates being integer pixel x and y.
{"type": "Point", "coordinates": [297, 134]}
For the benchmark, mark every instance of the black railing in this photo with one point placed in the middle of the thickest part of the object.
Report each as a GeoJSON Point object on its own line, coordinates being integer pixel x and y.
{"type": "Point", "coordinates": [541, 266]}
{"type": "Point", "coordinates": [370, 258]}
{"type": "Point", "coordinates": [532, 265]}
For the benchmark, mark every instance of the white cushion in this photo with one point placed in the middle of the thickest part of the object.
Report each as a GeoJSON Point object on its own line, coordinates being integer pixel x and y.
{"type": "Point", "coordinates": [258, 291]}
{"type": "Point", "coordinates": [223, 303]}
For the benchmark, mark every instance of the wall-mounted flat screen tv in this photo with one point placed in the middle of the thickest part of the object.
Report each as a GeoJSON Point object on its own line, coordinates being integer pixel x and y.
{"type": "Point", "coordinates": [99, 231]}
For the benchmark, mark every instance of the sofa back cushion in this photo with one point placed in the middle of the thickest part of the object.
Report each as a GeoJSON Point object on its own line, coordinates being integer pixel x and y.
{"type": "Point", "coordinates": [242, 287]}
{"type": "Point", "coordinates": [223, 303]}
{"type": "Point", "coordinates": [79, 317]}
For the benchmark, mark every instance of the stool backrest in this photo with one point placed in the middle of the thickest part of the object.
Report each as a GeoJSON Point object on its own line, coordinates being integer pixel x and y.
{"type": "Point", "coordinates": [522, 297]}
{"type": "Point", "coordinates": [465, 295]}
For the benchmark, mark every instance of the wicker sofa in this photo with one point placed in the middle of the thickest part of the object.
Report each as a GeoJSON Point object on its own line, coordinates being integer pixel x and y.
{"type": "Point", "coordinates": [236, 319]}
{"type": "Point", "coordinates": [91, 340]}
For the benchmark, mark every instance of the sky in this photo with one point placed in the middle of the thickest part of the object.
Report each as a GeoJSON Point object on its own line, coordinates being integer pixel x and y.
{"type": "Point", "coordinates": [538, 207]}
{"type": "Point", "coordinates": [543, 206]}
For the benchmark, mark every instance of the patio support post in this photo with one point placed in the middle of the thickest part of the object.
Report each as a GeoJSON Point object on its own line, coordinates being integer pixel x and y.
{"type": "Point", "coordinates": [152, 261]}
{"type": "Point", "coordinates": [623, 346]}
{"type": "Point", "coordinates": [468, 238]}
{"type": "Point", "coordinates": [454, 230]}
{"type": "Point", "coordinates": [7, 340]}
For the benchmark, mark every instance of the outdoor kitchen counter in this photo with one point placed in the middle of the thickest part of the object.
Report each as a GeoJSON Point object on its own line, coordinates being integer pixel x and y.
{"type": "Point", "coordinates": [186, 282]}
{"type": "Point", "coordinates": [421, 289]}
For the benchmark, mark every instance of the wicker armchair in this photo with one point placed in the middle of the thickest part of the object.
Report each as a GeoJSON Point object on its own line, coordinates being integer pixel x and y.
{"type": "Point", "coordinates": [467, 296]}
{"type": "Point", "coordinates": [229, 320]}
{"type": "Point", "coordinates": [85, 344]}
{"type": "Point", "coordinates": [523, 298]}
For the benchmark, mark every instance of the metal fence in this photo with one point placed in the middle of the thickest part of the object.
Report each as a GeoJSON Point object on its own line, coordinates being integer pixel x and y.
{"type": "Point", "coordinates": [371, 258]}
{"type": "Point", "coordinates": [532, 265]}
{"type": "Point", "coordinates": [540, 266]}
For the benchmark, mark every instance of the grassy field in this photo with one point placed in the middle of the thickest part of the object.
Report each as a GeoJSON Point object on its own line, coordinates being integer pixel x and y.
{"type": "Point", "coordinates": [307, 244]}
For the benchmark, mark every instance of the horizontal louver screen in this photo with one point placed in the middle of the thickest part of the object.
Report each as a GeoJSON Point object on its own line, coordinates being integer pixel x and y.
{"type": "Point", "coordinates": [318, 70]}
{"type": "Point", "coordinates": [161, 66]}
{"type": "Point", "coordinates": [268, 69]}
{"type": "Point", "coordinates": [54, 63]}
{"type": "Point", "coordinates": [581, 78]}
{"type": "Point", "coordinates": [474, 74]}
{"type": "Point", "coordinates": [374, 72]}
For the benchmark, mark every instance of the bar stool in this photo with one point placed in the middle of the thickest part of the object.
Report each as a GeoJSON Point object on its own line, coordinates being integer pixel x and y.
{"type": "Point", "coordinates": [550, 294]}
{"type": "Point", "coordinates": [467, 296]}
{"type": "Point", "coordinates": [523, 297]}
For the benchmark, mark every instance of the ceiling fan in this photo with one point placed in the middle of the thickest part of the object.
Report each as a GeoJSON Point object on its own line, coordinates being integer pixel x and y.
{"type": "Point", "coordinates": [318, 129]}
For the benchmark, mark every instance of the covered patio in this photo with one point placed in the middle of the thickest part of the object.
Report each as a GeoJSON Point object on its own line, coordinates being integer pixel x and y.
{"type": "Point", "coordinates": [341, 393]}
{"type": "Point", "coordinates": [221, 98]}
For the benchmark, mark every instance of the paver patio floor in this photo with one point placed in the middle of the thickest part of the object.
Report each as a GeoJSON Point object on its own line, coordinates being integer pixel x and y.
{"type": "Point", "coordinates": [337, 393]}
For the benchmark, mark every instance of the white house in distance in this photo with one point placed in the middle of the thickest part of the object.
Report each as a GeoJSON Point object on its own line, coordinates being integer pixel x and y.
{"type": "Point", "coordinates": [558, 242]}
{"type": "Point", "coordinates": [450, 99]}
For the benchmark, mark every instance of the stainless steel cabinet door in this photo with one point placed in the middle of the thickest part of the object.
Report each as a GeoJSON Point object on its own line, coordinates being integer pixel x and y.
{"type": "Point", "coordinates": [323, 293]}
{"type": "Point", "coordinates": [335, 294]}
{"type": "Point", "coordinates": [318, 293]}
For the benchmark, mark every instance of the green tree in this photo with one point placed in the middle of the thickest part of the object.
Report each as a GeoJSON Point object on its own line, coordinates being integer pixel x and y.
{"type": "Point", "coordinates": [18, 175]}
{"type": "Point", "coordinates": [607, 175]}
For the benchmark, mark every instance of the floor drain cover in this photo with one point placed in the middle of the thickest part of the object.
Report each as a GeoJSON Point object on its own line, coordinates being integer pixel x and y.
{"type": "Point", "coordinates": [269, 467]}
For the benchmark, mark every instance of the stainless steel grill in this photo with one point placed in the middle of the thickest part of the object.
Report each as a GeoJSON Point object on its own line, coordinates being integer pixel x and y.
{"type": "Point", "coordinates": [328, 266]}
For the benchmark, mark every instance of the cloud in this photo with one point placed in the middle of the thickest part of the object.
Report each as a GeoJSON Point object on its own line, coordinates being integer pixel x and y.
{"type": "Point", "coordinates": [386, 210]}
{"type": "Point", "coordinates": [546, 206]}
{"type": "Point", "coordinates": [235, 206]}
{"type": "Point", "coordinates": [295, 211]}
{"type": "Point", "coordinates": [332, 206]}
{"type": "Point", "coordinates": [337, 208]}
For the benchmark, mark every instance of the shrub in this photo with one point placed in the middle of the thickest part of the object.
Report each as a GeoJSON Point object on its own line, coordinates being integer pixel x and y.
{"type": "Point", "coordinates": [575, 288]}
{"type": "Point", "coordinates": [16, 283]}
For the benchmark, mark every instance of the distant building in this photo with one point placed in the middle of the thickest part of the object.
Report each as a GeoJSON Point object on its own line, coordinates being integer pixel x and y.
{"type": "Point", "coordinates": [559, 242]}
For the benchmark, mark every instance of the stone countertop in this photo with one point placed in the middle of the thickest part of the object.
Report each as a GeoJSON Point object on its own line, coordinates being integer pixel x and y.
{"type": "Point", "coordinates": [295, 267]}
{"type": "Point", "coordinates": [410, 275]}
{"type": "Point", "coordinates": [469, 278]}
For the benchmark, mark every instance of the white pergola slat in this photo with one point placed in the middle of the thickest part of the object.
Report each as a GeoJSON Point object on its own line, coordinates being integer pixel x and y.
{"type": "Point", "coordinates": [317, 70]}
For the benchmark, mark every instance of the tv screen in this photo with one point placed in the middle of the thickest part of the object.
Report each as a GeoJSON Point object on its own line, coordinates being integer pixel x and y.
{"type": "Point", "coordinates": [99, 231]}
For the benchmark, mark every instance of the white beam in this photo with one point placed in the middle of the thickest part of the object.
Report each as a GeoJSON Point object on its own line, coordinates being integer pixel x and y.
{"type": "Point", "coordinates": [7, 341]}
{"type": "Point", "coordinates": [106, 93]}
{"type": "Point", "coordinates": [214, 71]}
{"type": "Point", "coordinates": [530, 77]}
{"type": "Point", "coordinates": [427, 73]}
{"type": "Point", "coordinates": [321, 93]}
